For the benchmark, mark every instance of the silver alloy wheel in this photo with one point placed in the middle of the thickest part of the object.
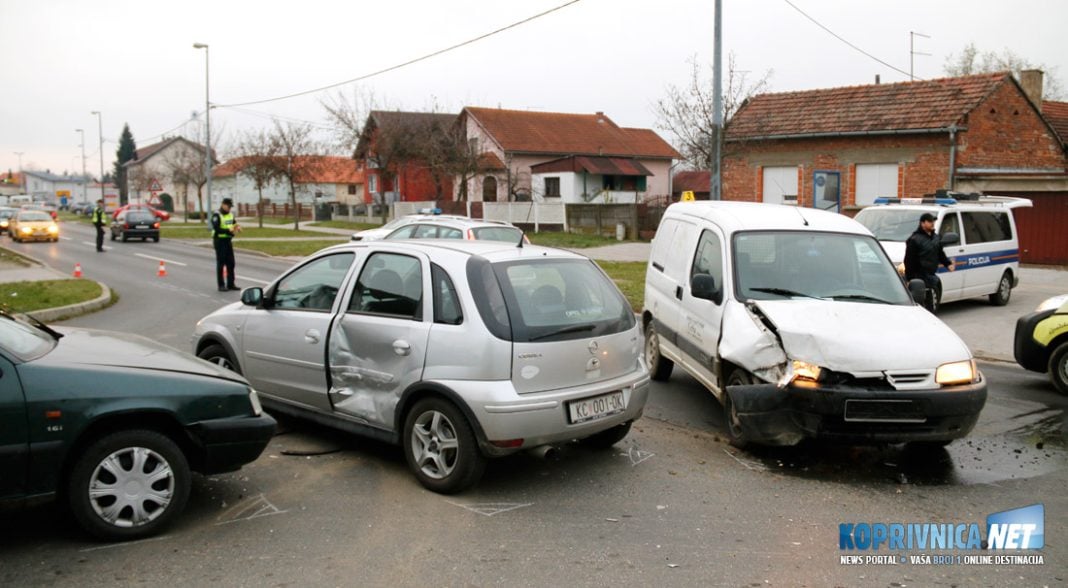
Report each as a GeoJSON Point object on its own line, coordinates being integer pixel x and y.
{"type": "Point", "coordinates": [434, 444]}
{"type": "Point", "coordinates": [1062, 369]}
{"type": "Point", "coordinates": [1004, 288]}
{"type": "Point", "coordinates": [652, 349]}
{"type": "Point", "coordinates": [131, 487]}
{"type": "Point", "coordinates": [222, 361]}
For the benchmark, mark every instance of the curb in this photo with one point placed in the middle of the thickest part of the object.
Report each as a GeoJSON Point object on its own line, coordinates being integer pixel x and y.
{"type": "Point", "coordinates": [48, 315]}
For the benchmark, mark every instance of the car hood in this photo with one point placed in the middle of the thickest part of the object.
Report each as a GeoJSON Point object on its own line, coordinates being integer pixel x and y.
{"type": "Point", "coordinates": [857, 337]}
{"type": "Point", "coordinates": [121, 350]}
{"type": "Point", "coordinates": [895, 250]}
{"type": "Point", "coordinates": [371, 234]}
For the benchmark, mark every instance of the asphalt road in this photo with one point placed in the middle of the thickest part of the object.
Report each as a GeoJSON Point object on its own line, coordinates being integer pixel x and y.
{"type": "Point", "coordinates": [670, 505]}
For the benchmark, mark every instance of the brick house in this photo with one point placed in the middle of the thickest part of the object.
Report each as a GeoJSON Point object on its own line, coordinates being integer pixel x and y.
{"type": "Point", "coordinates": [410, 176]}
{"type": "Point", "coordinates": [840, 148]}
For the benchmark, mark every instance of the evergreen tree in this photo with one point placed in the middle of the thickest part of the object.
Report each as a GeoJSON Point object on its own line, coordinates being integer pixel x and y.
{"type": "Point", "coordinates": [127, 151]}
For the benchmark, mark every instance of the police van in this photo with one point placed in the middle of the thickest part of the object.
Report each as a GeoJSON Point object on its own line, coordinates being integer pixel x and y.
{"type": "Point", "coordinates": [987, 256]}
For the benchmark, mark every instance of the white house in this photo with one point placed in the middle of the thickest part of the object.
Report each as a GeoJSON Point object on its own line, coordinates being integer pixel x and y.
{"type": "Point", "coordinates": [167, 167]}
{"type": "Point", "coordinates": [577, 179]}
{"type": "Point", "coordinates": [52, 188]}
{"type": "Point", "coordinates": [318, 178]}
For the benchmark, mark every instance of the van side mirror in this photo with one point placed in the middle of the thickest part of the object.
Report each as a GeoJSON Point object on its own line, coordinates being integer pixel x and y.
{"type": "Point", "coordinates": [950, 238]}
{"type": "Point", "coordinates": [704, 286]}
{"type": "Point", "coordinates": [918, 290]}
{"type": "Point", "coordinates": [252, 296]}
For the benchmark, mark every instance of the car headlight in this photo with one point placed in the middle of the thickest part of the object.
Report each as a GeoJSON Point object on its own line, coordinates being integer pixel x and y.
{"type": "Point", "coordinates": [801, 373]}
{"type": "Point", "coordinates": [53, 229]}
{"type": "Point", "coordinates": [3, 223]}
{"type": "Point", "coordinates": [254, 398]}
{"type": "Point", "coordinates": [1052, 303]}
{"type": "Point", "coordinates": [958, 372]}
{"type": "Point", "coordinates": [26, 230]}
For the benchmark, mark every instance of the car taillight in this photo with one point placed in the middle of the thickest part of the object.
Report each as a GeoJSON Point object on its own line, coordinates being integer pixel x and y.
{"type": "Point", "coordinates": [155, 225]}
{"type": "Point", "coordinates": [126, 226]}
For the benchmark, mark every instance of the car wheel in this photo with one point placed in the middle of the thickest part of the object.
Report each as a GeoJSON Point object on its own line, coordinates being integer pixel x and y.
{"type": "Point", "coordinates": [155, 239]}
{"type": "Point", "coordinates": [128, 485]}
{"type": "Point", "coordinates": [218, 355]}
{"type": "Point", "coordinates": [1001, 297]}
{"type": "Point", "coordinates": [609, 437]}
{"type": "Point", "coordinates": [1058, 368]}
{"type": "Point", "coordinates": [143, 239]}
{"type": "Point", "coordinates": [125, 238]}
{"type": "Point", "coordinates": [659, 366]}
{"type": "Point", "coordinates": [936, 299]}
{"type": "Point", "coordinates": [733, 426]}
{"type": "Point", "coordinates": [441, 448]}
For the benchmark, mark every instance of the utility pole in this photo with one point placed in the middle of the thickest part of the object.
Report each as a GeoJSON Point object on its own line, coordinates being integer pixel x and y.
{"type": "Point", "coordinates": [207, 122]}
{"type": "Point", "coordinates": [717, 103]}
{"type": "Point", "coordinates": [913, 53]}
{"type": "Point", "coordinates": [21, 176]}
{"type": "Point", "coordinates": [85, 177]}
{"type": "Point", "coordinates": [100, 130]}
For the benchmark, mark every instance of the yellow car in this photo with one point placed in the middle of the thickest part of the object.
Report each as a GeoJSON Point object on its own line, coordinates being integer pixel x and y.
{"type": "Point", "coordinates": [33, 225]}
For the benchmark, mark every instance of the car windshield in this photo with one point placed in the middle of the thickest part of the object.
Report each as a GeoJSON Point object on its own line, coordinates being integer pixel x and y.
{"type": "Point", "coordinates": [22, 339]}
{"type": "Point", "coordinates": [558, 299]}
{"type": "Point", "coordinates": [32, 216]}
{"type": "Point", "coordinates": [509, 234]}
{"type": "Point", "coordinates": [8, 213]}
{"type": "Point", "coordinates": [888, 224]}
{"type": "Point", "coordinates": [774, 265]}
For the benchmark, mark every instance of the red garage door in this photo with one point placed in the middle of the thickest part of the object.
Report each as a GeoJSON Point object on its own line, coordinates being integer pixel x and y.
{"type": "Point", "coordinates": [1044, 228]}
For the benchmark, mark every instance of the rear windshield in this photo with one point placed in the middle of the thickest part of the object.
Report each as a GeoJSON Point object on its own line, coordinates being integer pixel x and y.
{"type": "Point", "coordinates": [140, 217]}
{"type": "Point", "coordinates": [509, 234]}
{"type": "Point", "coordinates": [548, 299]}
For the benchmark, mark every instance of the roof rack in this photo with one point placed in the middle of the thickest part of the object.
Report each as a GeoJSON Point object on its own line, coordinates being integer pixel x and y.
{"type": "Point", "coordinates": [949, 198]}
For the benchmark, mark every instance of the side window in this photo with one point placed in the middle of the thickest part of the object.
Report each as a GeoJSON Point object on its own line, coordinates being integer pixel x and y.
{"type": "Point", "coordinates": [665, 234]}
{"type": "Point", "coordinates": [450, 233]}
{"type": "Point", "coordinates": [425, 232]}
{"type": "Point", "coordinates": [446, 303]}
{"type": "Point", "coordinates": [389, 284]}
{"type": "Point", "coordinates": [403, 232]}
{"type": "Point", "coordinates": [314, 286]}
{"type": "Point", "coordinates": [985, 227]}
{"type": "Point", "coordinates": [950, 224]}
{"type": "Point", "coordinates": [709, 257]}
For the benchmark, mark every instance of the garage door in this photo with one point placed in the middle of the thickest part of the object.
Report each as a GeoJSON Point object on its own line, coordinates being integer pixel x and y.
{"type": "Point", "coordinates": [780, 185]}
{"type": "Point", "coordinates": [1043, 237]}
{"type": "Point", "coordinates": [876, 180]}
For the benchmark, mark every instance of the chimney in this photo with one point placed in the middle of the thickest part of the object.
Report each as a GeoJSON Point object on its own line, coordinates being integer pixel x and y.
{"type": "Point", "coordinates": [876, 79]}
{"type": "Point", "coordinates": [1031, 81]}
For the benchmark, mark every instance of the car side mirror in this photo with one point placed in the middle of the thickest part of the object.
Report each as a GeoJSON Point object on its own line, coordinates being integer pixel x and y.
{"type": "Point", "coordinates": [704, 286]}
{"type": "Point", "coordinates": [252, 296]}
{"type": "Point", "coordinates": [950, 238]}
{"type": "Point", "coordinates": [918, 290]}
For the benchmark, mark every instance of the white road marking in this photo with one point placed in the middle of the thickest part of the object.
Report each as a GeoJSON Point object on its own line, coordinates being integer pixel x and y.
{"type": "Point", "coordinates": [67, 238]}
{"type": "Point", "coordinates": [241, 278]}
{"type": "Point", "coordinates": [94, 245]}
{"type": "Point", "coordinates": [161, 259]}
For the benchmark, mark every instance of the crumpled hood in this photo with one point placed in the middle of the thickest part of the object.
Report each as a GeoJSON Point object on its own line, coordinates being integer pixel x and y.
{"type": "Point", "coordinates": [122, 350]}
{"type": "Point", "coordinates": [895, 250]}
{"type": "Point", "coordinates": [856, 337]}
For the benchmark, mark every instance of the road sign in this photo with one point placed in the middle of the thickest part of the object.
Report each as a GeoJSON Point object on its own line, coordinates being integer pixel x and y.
{"type": "Point", "coordinates": [687, 196]}
{"type": "Point", "coordinates": [155, 187]}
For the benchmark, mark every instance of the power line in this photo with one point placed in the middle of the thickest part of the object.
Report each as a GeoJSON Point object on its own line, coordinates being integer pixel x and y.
{"type": "Point", "coordinates": [839, 37]}
{"type": "Point", "coordinates": [272, 116]}
{"type": "Point", "coordinates": [406, 63]}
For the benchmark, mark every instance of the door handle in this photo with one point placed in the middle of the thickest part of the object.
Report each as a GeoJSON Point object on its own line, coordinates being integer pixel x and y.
{"type": "Point", "coordinates": [311, 336]}
{"type": "Point", "coordinates": [401, 347]}
{"type": "Point", "coordinates": [678, 292]}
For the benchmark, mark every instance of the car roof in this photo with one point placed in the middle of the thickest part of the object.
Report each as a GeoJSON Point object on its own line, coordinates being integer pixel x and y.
{"type": "Point", "coordinates": [755, 216]}
{"type": "Point", "coordinates": [462, 222]}
{"type": "Point", "coordinates": [493, 251]}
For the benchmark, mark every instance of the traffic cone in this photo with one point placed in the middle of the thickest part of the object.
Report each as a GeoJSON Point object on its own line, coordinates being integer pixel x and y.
{"type": "Point", "coordinates": [162, 270]}
{"type": "Point", "coordinates": [224, 274]}
{"type": "Point", "coordinates": [77, 270]}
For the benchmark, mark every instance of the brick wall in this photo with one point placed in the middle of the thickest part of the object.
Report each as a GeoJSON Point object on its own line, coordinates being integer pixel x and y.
{"type": "Point", "coordinates": [1005, 131]}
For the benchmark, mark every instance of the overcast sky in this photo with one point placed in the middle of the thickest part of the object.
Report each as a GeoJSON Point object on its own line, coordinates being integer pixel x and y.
{"type": "Point", "coordinates": [134, 60]}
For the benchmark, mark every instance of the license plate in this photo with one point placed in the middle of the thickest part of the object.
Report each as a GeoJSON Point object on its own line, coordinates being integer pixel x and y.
{"type": "Point", "coordinates": [141, 227]}
{"type": "Point", "coordinates": [883, 411]}
{"type": "Point", "coordinates": [598, 407]}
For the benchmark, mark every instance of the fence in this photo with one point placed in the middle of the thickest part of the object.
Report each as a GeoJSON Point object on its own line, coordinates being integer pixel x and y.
{"type": "Point", "coordinates": [601, 219]}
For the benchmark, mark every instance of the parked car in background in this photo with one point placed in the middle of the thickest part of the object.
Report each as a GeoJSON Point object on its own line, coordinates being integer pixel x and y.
{"type": "Point", "coordinates": [987, 256]}
{"type": "Point", "coordinates": [82, 208]}
{"type": "Point", "coordinates": [1041, 343]}
{"type": "Point", "coordinates": [460, 228]}
{"type": "Point", "coordinates": [134, 224]}
{"type": "Point", "coordinates": [6, 214]}
{"type": "Point", "coordinates": [383, 231]}
{"type": "Point", "coordinates": [113, 423]}
{"type": "Point", "coordinates": [379, 338]}
{"type": "Point", "coordinates": [33, 225]}
{"type": "Point", "coordinates": [162, 215]}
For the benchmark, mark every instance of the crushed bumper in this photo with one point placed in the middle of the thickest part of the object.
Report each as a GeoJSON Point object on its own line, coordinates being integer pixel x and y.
{"type": "Point", "coordinates": [783, 416]}
{"type": "Point", "coordinates": [228, 444]}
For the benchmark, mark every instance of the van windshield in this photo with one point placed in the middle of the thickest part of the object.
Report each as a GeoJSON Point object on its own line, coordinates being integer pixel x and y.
{"type": "Point", "coordinates": [778, 265]}
{"type": "Point", "coordinates": [889, 224]}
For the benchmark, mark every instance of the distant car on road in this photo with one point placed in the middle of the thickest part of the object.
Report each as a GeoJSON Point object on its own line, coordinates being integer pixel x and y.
{"type": "Point", "coordinates": [1042, 341]}
{"type": "Point", "coordinates": [33, 225]}
{"type": "Point", "coordinates": [460, 228]}
{"type": "Point", "coordinates": [47, 208]}
{"type": "Point", "coordinates": [82, 208]}
{"type": "Point", "coordinates": [383, 231]}
{"type": "Point", "coordinates": [113, 423]}
{"type": "Point", "coordinates": [6, 214]}
{"type": "Point", "coordinates": [133, 224]}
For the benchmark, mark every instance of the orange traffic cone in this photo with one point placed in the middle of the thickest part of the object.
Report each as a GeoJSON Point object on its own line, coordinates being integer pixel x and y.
{"type": "Point", "coordinates": [224, 274]}
{"type": "Point", "coordinates": [77, 270]}
{"type": "Point", "coordinates": [162, 270]}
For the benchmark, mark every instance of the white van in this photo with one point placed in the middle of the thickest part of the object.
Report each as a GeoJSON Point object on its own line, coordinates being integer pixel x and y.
{"type": "Point", "coordinates": [19, 199]}
{"type": "Point", "coordinates": [987, 257]}
{"type": "Point", "coordinates": [798, 323]}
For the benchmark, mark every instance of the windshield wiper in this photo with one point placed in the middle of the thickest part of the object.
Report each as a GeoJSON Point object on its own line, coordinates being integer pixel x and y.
{"type": "Point", "coordinates": [783, 292]}
{"type": "Point", "coordinates": [565, 330]}
{"type": "Point", "coordinates": [861, 297]}
{"type": "Point", "coordinates": [34, 321]}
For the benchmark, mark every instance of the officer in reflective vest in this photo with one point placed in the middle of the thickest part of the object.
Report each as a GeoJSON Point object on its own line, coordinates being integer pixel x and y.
{"type": "Point", "coordinates": [223, 229]}
{"type": "Point", "coordinates": [100, 220]}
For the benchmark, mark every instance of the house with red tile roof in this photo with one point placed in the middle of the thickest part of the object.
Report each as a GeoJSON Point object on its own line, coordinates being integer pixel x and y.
{"type": "Point", "coordinates": [569, 149]}
{"type": "Point", "coordinates": [396, 153]}
{"type": "Point", "coordinates": [840, 148]}
{"type": "Point", "coordinates": [318, 178]}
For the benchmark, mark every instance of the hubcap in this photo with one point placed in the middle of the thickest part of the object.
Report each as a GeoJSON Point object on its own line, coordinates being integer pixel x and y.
{"type": "Point", "coordinates": [1003, 290]}
{"type": "Point", "coordinates": [1063, 368]}
{"type": "Point", "coordinates": [434, 444]}
{"type": "Point", "coordinates": [131, 487]}
{"type": "Point", "coordinates": [221, 361]}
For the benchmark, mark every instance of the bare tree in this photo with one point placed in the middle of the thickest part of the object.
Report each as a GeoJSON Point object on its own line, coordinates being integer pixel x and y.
{"type": "Point", "coordinates": [293, 147]}
{"type": "Point", "coordinates": [972, 61]}
{"type": "Point", "coordinates": [687, 113]}
{"type": "Point", "coordinates": [258, 157]}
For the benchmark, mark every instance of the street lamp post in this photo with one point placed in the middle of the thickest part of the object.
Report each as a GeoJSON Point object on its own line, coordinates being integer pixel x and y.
{"type": "Point", "coordinates": [100, 129]}
{"type": "Point", "coordinates": [85, 177]}
{"type": "Point", "coordinates": [19, 153]}
{"type": "Point", "coordinates": [207, 122]}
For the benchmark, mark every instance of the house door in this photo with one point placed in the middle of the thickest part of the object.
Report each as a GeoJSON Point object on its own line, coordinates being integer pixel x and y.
{"type": "Point", "coordinates": [826, 193]}
{"type": "Point", "coordinates": [489, 189]}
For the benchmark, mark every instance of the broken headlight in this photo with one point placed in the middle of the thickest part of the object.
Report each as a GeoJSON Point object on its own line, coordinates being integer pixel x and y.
{"type": "Point", "coordinates": [801, 373]}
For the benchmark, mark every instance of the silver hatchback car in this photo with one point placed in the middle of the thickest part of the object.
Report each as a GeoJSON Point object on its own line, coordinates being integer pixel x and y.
{"type": "Point", "coordinates": [456, 350]}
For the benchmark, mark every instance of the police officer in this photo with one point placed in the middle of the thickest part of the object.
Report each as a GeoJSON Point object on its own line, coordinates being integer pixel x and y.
{"type": "Point", "coordinates": [223, 229]}
{"type": "Point", "coordinates": [923, 255]}
{"type": "Point", "coordinates": [100, 220]}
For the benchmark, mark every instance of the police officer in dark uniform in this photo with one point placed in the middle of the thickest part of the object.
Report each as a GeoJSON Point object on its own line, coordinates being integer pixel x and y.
{"type": "Point", "coordinates": [923, 255]}
{"type": "Point", "coordinates": [223, 229]}
{"type": "Point", "coordinates": [100, 220]}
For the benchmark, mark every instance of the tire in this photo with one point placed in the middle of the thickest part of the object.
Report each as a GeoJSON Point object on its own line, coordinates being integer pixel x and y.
{"type": "Point", "coordinates": [447, 470]}
{"type": "Point", "coordinates": [737, 377]}
{"type": "Point", "coordinates": [143, 239]}
{"type": "Point", "coordinates": [159, 501]}
{"type": "Point", "coordinates": [155, 239]}
{"type": "Point", "coordinates": [1058, 368]}
{"type": "Point", "coordinates": [125, 238]}
{"type": "Point", "coordinates": [936, 300]}
{"type": "Point", "coordinates": [1004, 292]}
{"type": "Point", "coordinates": [218, 355]}
{"type": "Point", "coordinates": [659, 366]}
{"type": "Point", "coordinates": [609, 437]}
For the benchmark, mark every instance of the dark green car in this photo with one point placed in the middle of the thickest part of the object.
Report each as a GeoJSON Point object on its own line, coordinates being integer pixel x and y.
{"type": "Point", "coordinates": [114, 423]}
